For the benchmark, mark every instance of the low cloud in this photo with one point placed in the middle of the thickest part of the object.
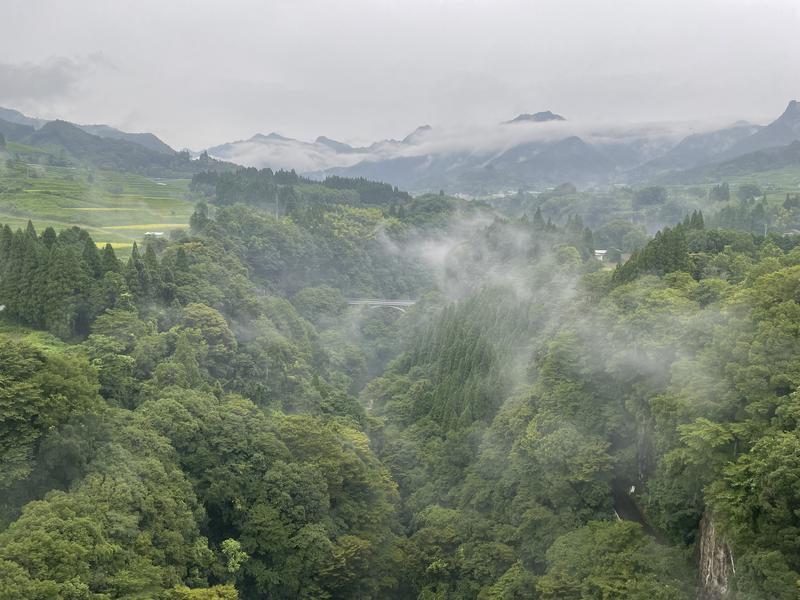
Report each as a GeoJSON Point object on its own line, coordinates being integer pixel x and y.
{"type": "Point", "coordinates": [481, 142]}
{"type": "Point", "coordinates": [285, 154]}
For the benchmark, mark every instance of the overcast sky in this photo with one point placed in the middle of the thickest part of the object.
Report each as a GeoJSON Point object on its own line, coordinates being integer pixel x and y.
{"type": "Point", "coordinates": [198, 73]}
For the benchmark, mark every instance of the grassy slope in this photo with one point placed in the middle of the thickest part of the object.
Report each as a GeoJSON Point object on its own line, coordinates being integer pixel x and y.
{"type": "Point", "coordinates": [114, 207]}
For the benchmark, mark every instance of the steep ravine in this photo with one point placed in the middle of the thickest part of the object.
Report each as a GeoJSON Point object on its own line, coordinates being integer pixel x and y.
{"type": "Point", "coordinates": [715, 563]}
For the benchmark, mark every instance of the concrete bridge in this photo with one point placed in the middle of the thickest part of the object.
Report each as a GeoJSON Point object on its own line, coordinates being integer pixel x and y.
{"type": "Point", "coordinates": [400, 305]}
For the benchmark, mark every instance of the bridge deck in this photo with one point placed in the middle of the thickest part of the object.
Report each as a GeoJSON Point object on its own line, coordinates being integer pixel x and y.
{"type": "Point", "coordinates": [379, 302]}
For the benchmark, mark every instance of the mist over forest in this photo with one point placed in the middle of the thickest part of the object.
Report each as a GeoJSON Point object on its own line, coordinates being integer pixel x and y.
{"type": "Point", "coordinates": [524, 352]}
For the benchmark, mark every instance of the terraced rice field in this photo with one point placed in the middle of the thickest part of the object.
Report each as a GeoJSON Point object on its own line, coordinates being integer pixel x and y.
{"type": "Point", "coordinates": [114, 207]}
{"type": "Point", "coordinates": [779, 180]}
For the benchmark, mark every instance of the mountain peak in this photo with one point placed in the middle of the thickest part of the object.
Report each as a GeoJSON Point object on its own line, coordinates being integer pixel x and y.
{"type": "Point", "coordinates": [260, 137]}
{"type": "Point", "coordinates": [421, 130]}
{"type": "Point", "coordinates": [146, 140]}
{"type": "Point", "coordinates": [781, 132]}
{"type": "Point", "coordinates": [333, 144]}
{"type": "Point", "coordinates": [539, 117]}
{"type": "Point", "coordinates": [61, 125]}
{"type": "Point", "coordinates": [788, 123]}
{"type": "Point", "coordinates": [792, 110]}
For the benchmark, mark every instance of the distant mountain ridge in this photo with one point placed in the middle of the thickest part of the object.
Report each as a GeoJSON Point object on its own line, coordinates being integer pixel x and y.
{"type": "Point", "coordinates": [549, 161]}
{"type": "Point", "coordinates": [146, 140]}
{"type": "Point", "coordinates": [782, 131]}
{"type": "Point", "coordinates": [67, 143]}
{"type": "Point", "coordinates": [14, 116]}
{"type": "Point", "coordinates": [498, 157]}
{"type": "Point", "coordinates": [539, 117]}
{"type": "Point", "coordinates": [768, 159]}
{"type": "Point", "coordinates": [334, 145]}
{"type": "Point", "coordinates": [703, 147]}
{"type": "Point", "coordinates": [280, 152]}
{"type": "Point", "coordinates": [531, 156]}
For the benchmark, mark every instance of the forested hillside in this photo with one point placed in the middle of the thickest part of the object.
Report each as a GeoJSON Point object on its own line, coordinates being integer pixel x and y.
{"type": "Point", "coordinates": [211, 418]}
{"type": "Point", "coordinates": [60, 143]}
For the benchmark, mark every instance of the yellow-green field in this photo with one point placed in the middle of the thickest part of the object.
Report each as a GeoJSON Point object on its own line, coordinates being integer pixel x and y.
{"type": "Point", "coordinates": [114, 207]}
{"type": "Point", "coordinates": [125, 247]}
{"type": "Point", "coordinates": [143, 227]}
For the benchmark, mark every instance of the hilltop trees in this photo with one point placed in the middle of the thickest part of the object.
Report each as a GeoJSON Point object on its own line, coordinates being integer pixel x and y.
{"type": "Point", "coordinates": [650, 196]}
{"type": "Point", "coordinates": [666, 253]}
{"type": "Point", "coordinates": [720, 193]}
{"type": "Point", "coordinates": [285, 192]}
{"type": "Point", "coordinates": [62, 282]}
{"type": "Point", "coordinates": [746, 191]}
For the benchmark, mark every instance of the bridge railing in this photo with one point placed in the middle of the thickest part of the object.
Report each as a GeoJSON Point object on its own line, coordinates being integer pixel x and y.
{"type": "Point", "coordinates": [380, 302]}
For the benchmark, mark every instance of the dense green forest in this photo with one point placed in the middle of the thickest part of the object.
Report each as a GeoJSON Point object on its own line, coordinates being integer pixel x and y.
{"type": "Point", "coordinates": [211, 419]}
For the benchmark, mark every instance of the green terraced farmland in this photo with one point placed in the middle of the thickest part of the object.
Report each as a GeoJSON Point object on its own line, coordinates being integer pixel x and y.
{"type": "Point", "coordinates": [781, 180]}
{"type": "Point", "coordinates": [114, 207]}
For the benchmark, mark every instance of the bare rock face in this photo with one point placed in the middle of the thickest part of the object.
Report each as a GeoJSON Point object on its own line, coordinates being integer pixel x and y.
{"type": "Point", "coordinates": [716, 562]}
